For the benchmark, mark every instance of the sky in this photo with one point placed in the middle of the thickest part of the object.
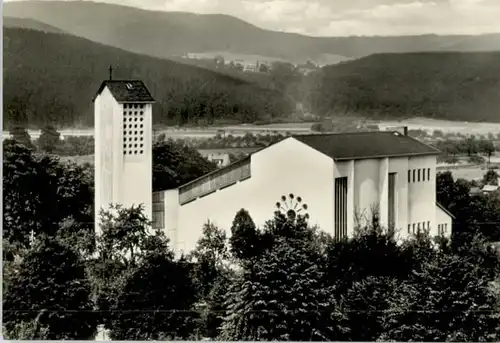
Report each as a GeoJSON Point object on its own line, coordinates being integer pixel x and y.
{"type": "Point", "coordinates": [347, 17]}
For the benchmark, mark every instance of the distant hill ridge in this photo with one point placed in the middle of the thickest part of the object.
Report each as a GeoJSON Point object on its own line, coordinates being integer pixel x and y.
{"type": "Point", "coordinates": [166, 34]}
{"type": "Point", "coordinates": [28, 23]}
{"type": "Point", "coordinates": [51, 78]}
{"type": "Point", "coordinates": [440, 85]}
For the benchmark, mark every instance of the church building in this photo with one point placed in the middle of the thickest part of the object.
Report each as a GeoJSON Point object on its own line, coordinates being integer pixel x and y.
{"type": "Point", "coordinates": [337, 180]}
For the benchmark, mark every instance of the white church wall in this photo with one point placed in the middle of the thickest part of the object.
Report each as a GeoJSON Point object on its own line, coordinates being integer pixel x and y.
{"type": "Point", "coordinates": [123, 168]}
{"type": "Point", "coordinates": [370, 189]}
{"type": "Point", "coordinates": [104, 111]}
{"type": "Point", "coordinates": [135, 166]}
{"type": "Point", "coordinates": [366, 188]}
{"type": "Point", "coordinates": [421, 193]}
{"type": "Point", "coordinates": [399, 165]}
{"type": "Point", "coordinates": [443, 224]}
{"type": "Point", "coordinates": [283, 168]}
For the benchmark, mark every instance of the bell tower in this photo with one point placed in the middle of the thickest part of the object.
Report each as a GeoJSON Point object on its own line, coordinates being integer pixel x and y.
{"type": "Point", "coordinates": [123, 146]}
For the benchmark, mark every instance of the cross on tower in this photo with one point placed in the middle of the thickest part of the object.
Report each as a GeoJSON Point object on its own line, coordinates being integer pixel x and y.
{"type": "Point", "coordinates": [110, 72]}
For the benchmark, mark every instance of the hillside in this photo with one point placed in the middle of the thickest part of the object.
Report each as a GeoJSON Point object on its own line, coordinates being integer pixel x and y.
{"type": "Point", "coordinates": [51, 78]}
{"type": "Point", "coordinates": [28, 23]}
{"type": "Point", "coordinates": [164, 34]}
{"type": "Point", "coordinates": [453, 86]}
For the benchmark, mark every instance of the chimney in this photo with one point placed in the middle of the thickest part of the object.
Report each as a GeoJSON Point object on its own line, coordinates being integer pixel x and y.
{"type": "Point", "coordinates": [401, 129]}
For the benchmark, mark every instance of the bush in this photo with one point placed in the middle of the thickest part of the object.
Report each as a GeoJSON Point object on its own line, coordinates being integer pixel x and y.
{"type": "Point", "coordinates": [50, 297]}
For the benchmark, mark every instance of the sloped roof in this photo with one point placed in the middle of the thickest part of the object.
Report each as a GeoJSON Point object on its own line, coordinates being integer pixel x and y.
{"type": "Point", "coordinates": [490, 188]}
{"type": "Point", "coordinates": [445, 210]}
{"type": "Point", "coordinates": [127, 90]}
{"type": "Point", "coordinates": [360, 145]}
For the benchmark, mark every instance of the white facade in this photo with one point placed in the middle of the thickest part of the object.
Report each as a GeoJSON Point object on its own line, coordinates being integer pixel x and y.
{"type": "Point", "coordinates": [340, 195]}
{"type": "Point", "coordinates": [444, 221]}
{"type": "Point", "coordinates": [123, 153]}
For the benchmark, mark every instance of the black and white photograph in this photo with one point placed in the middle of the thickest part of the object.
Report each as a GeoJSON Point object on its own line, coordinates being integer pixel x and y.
{"type": "Point", "coordinates": [251, 170]}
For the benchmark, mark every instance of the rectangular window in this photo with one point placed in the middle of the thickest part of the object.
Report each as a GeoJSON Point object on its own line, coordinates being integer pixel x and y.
{"type": "Point", "coordinates": [428, 173]}
{"type": "Point", "coordinates": [409, 228]}
{"type": "Point", "coordinates": [340, 207]}
{"type": "Point", "coordinates": [445, 227]}
{"type": "Point", "coordinates": [419, 175]}
{"type": "Point", "coordinates": [413, 228]}
{"type": "Point", "coordinates": [418, 227]}
{"type": "Point", "coordinates": [414, 174]}
{"type": "Point", "coordinates": [392, 202]}
{"type": "Point", "coordinates": [409, 176]}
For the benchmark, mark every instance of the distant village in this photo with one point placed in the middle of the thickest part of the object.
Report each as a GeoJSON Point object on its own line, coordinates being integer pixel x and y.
{"type": "Point", "coordinates": [250, 65]}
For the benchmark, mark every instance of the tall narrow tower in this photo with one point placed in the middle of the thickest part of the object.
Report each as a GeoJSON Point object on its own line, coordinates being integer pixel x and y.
{"type": "Point", "coordinates": [123, 146]}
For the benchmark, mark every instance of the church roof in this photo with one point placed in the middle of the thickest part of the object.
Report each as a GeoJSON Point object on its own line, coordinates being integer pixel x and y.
{"type": "Point", "coordinates": [127, 90]}
{"type": "Point", "coordinates": [445, 210]}
{"type": "Point", "coordinates": [361, 145]}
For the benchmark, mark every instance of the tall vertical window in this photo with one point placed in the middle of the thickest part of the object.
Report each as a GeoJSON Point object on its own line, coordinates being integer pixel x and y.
{"type": "Point", "coordinates": [409, 176]}
{"type": "Point", "coordinates": [158, 210]}
{"type": "Point", "coordinates": [428, 173]}
{"type": "Point", "coordinates": [392, 201]}
{"type": "Point", "coordinates": [340, 207]}
{"type": "Point", "coordinates": [418, 173]}
{"type": "Point", "coordinates": [414, 173]}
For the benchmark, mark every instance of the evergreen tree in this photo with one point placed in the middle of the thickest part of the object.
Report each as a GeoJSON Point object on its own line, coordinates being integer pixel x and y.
{"type": "Point", "coordinates": [49, 139]}
{"type": "Point", "coordinates": [282, 294]}
{"type": "Point", "coordinates": [450, 298]}
{"type": "Point", "coordinates": [49, 297]}
{"type": "Point", "coordinates": [20, 134]}
{"type": "Point", "coordinates": [40, 192]}
{"type": "Point", "coordinates": [244, 236]}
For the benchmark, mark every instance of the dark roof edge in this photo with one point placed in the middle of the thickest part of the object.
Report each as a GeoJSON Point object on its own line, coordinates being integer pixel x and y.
{"type": "Point", "coordinates": [386, 156]}
{"type": "Point", "coordinates": [213, 172]}
{"type": "Point", "coordinates": [438, 152]}
{"type": "Point", "coordinates": [445, 210]}
{"type": "Point", "coordinates": [248, 158]}
{"type": "Point", "coordinates": [103, 84]}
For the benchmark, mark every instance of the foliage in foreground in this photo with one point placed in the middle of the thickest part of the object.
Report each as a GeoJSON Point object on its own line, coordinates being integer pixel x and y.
{"type": "Point", "coordinates": [49, 297]}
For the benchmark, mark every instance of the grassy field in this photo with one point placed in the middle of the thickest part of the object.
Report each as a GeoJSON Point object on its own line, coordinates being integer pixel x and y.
{"type": "Point", "coordinates": [413, 124]}
{"type": "Point", "coordinates": [445, 125]}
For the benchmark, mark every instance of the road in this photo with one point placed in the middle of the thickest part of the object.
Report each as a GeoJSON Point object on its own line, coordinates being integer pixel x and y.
{"type": "Point", "coordinates": [186, 133]}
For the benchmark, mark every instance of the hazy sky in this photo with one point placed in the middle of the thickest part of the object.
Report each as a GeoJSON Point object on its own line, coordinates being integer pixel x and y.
{"type": "Point", "coordinates": [348, 17]}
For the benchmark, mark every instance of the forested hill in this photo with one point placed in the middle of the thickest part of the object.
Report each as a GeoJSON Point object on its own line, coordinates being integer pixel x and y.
{"type": "Point", "coordinates": [164, 34]}
{"type": "Point", "coordinates": [454, 86]}
{"type": "Point", "coordinates": [28, 23]}
{"type": "Point", "coordinates": [51, 78]}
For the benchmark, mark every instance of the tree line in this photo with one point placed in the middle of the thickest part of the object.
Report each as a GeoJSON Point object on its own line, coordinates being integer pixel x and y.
{"type": "Point", "coordinates": [285, 280]}
{"type": "Point", "coordinates": [440, 85]}
{"type": "Point", "coordinates": [52, 78]}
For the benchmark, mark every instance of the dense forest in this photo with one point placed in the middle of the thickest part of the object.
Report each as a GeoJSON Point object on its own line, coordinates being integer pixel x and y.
{"type": "Point", "coordinates": [453, 86]}
{"type": "Point", "coordinates": [51, 79]}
